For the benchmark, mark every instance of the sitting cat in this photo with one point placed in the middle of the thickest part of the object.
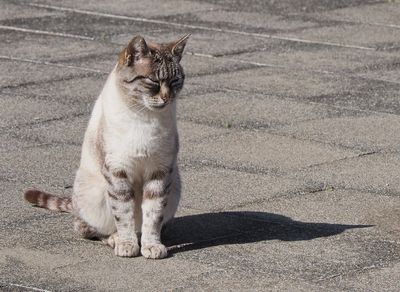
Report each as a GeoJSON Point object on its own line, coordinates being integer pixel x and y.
{"type": "Point", "coordinates": [128, 180]}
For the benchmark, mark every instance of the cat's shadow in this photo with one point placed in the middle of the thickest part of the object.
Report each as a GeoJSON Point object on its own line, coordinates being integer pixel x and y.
{"type": "Point", "coordinates": [223, 228]}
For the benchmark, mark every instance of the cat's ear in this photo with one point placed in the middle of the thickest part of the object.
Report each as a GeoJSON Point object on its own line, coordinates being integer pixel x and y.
{"type": "Point", "coordinates": [136, 49]}
{"type": "Point", "coordinates": [178, 46]}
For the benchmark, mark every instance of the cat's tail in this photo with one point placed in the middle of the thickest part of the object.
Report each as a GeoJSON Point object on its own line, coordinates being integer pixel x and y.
{"type": "Point", "coordinates": [48, 201]}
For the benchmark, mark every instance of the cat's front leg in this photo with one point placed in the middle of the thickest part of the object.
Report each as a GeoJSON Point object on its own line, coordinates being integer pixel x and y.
{"type": "Point", "coordinates": [155, 198]}
{"type": "Point", "coordinates": [120, 197]}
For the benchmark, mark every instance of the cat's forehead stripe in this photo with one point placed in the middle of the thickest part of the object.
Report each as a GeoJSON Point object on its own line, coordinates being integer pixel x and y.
{"type": "Point", "coordinates": [166, 69]}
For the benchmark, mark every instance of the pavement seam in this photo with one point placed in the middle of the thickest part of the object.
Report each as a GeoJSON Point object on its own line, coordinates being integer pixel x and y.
{"type": "Point", "coordinates": [36, 31]}
{"type": "Point", "coordinates": [25, 287]}
{"type": "Point", "coordinates": [42, 62]}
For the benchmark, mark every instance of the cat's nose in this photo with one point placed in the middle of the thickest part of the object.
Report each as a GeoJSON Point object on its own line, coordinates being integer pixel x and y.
{"type": "Point", "coordinates": [165, 92]}
{"type": "Point", "coordinates": [164, 98]}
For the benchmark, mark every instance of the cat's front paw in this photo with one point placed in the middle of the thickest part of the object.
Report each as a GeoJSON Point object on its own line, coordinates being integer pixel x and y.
{"type": "Point", "coordinates": [126, 249]}
{"type": "Point", "coordinates": [154, 251]}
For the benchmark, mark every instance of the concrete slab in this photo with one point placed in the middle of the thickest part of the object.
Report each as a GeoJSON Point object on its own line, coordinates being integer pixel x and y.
{"type": "Point", "coordinates": [351, 208]}
{"type": "Point", "coordinates": [277, 81]}
{"type": "Point", "coordinates": [288, 125]}
{"type": "Point", "coordinates": [375, 173]}
{"type": "Point", "coordinates": [370, 278]}
{"type": "Point", "coordinates": [211, 189]}
{"type": "Point", "coordinates": [263, 151]}
{"type": "Point", "coordinates": [363, 35]}
{"type": "Point", "coordinates": [364, 132]}
{"type": "Point", "coordinates": [78, 91]}
{"type": "Point", "coordinates": [261, 21]}
{"type": "Point", "coordinates": [83, 273]}
{"type": "Point", "coordinates": [238, 109]}
{"type": "Point", "coordinates": [32, 73]}
{"type": "Point", "coordinates": [51, 48]}
{"type": "Point", "coordinates": [10, 10]}
{"type": "Point", "coordinates": [282, 249]}
{"type": "Point", "coordinates": [342, 91]}
{"type": "Point", "coordinates": [311, 57]}
{"type": "Point", "coordinates": [42, 165]}
{"type": "Point", "coordinates": [338, 206]}
{"type": "Point", "coordinates": [375, 14]}
{"type": "Point", "coordinates": [16, 110]}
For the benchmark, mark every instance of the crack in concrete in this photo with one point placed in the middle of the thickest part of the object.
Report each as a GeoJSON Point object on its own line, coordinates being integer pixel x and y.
{"type": "Point", "coordinates": [339, 160]}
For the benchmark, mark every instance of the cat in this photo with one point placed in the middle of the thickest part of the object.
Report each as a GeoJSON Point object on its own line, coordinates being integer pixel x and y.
{"type": "Point", "coordinates": [128, 181]}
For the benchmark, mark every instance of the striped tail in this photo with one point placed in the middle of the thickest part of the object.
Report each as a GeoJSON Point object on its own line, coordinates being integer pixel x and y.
{"type": "Point", "coordinates": [48, 201]}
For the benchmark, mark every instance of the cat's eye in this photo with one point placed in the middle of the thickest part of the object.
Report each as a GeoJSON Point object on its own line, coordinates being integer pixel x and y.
{"type": "Point", "coordinates": [176, 82]}
{"type": "Point", "coordinates": [151, 84]}
{"type": "Point", "coordinates": [151, 81]}
{"type": "Point", "coordinates": [134, 79]}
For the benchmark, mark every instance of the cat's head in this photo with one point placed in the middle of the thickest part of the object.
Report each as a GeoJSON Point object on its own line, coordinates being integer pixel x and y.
{"type": "Point", "coordinates": [149, 73]}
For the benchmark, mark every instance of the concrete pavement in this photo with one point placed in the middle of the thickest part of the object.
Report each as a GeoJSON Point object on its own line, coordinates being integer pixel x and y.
{"type": "Point", "coordinates": [289, 125]}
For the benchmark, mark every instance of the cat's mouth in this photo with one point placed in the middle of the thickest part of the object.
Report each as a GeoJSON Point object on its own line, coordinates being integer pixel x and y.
{"type": "Point", "coordinates": [157, 105]}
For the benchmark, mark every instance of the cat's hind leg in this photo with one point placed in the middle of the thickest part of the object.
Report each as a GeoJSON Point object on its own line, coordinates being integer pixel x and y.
{"type": "Point", "coordinates": [93, 218]}
{"type": "Point", "coordinates": [85, 230]}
